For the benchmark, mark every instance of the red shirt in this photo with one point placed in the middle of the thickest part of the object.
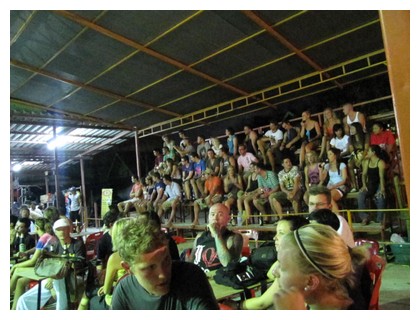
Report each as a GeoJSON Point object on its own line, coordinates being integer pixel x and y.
{"type": "Point", "coordinates": [383, 138]}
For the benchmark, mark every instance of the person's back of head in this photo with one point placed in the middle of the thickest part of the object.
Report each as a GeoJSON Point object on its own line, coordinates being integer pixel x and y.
{"type": "Point", "coordinates": [51, 214]}
{"type": "Point", "coordinates": [110, 217]}
{"type": "Point", "coordinates": [295, 221]}
{"type": "Point", "coordinates": [325, 216]}
{"type": "Point", "coordinates": [45, 225]}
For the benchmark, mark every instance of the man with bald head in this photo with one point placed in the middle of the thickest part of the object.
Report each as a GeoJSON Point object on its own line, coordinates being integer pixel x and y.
{"type": "Point", "coordinates": [217, 246]}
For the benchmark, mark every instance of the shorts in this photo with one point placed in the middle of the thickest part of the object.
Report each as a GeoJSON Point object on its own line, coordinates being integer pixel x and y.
{"type": "Point", "coordinates": [282, 196]}
{"type": "Point", "coordinates": [203, 204]}
{"type": "Point", "coordinates": [168, 204]}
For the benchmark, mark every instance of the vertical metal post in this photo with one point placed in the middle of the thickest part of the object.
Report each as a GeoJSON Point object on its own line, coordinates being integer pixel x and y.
{"type": "Point", "coordinates": [136, 141]}
{"type": "Point", "coordinates": [11, 189]}
{"type": "Point", "coordinates": [395, 26]}
{"type": "Point", "coordinates": [47, 190]}
{"type": "Point", "coordinates": [57, 186]}
{"type": "Point", "coordinates": [84, 204]}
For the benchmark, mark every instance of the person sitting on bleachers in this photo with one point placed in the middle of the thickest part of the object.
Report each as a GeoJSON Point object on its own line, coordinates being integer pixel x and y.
{"type": "Point", "coordinates": [358, 143]}
{"type": "Point", "coordinates": [171, 199]}
{"type": "Point", "coordinates": [312, 172]}
{"type": "Point", "coordinates": [290, 189]}
{"type": "Point", "coordinates": [291, 141]}
{"type": "Point", "coordinates": [136, 194]}
{"type": "Point", "coordinates": [197, 181]}
{"type": "Point", "coordinates": [310, 134]}
{"type": "Point", "coordinates": [170, 144]}
{"type": "Point", "coordinates": [216, 145]}
{"type": "Point", "coordinates": [225, 161]}
{"type": "Point", "coordinates": [330, 119]}
{"type": "Point", "coordinates": [373, 183]}
{"type": "Point", "coordinates": [340, 141]}
{"type": "Point", "coordinates": [187, 170]}
{"type": "Point", "coordinates": [231, 142]}
{"type": "Point", "coordinates": [336, 171]}
{"type": "Point", "coordinates": [158, 190]}
{"type": "Point", "coordinates": [202, 146]}
{"type": "Point", "coordinates": [270, 143]}
{"type": "Point", "coordinates": [352, 116]}
{"type": "Point", "coordinates": [213, 193]}
{"type": "Point", "coordinates": [244, 161]}
{"type": "Point", "coordinates": [218, 245]}
{"type": "Point", "coordinates": [158, 158]}
{"type": "Point", "coordinates": [232, 184]}
{"type": "Point", "coordinates": [213, 162]}
{"type": "Point", "coordinates": [268, 184]}
{"type": "Point", "coordinates": [187, 149]}
{"type": "Point", "coordinates": [246, 197]}
{"type": "Point", "coordinates": [386, 140]}
{"type": "Point", "coordinates": [251, 138]}
{"type": "Point", "coordinates": [172, 169]}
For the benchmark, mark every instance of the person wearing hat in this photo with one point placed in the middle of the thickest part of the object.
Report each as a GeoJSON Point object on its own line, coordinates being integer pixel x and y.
{"type": "Point", "coordinates": [213, 193]}
{"type": "Point", "coordinates": [75, 204]}
{"type": "Point", "coordinates": [66, 247]}
{"type": "Point", "coordinates": [217, 246]}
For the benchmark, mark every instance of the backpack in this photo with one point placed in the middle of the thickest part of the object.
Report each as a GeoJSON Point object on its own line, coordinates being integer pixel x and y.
{"type": "Point", "coordinates": [263, 257]}
{"type": "Point", "coordinates": [239, 275]}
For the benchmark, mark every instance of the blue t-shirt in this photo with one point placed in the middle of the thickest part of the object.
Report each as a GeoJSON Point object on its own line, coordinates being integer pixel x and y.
{"type": "Point", "coordinates": [199, 168]}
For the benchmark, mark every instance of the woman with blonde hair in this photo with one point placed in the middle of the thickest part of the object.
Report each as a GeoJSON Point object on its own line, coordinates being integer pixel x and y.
{"type": "Point", "coordinates": [114, 271]}
{"type": "Point", "coordinates": [318, 271]}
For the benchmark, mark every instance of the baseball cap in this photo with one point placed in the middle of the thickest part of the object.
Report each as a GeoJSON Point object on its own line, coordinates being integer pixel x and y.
{"type": "Point", "coordinates": [60, 223]}
{"type": "Point", "coordinates": [72, 189]}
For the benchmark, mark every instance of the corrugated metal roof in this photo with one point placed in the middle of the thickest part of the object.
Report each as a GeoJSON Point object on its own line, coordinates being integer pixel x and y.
{"type": "Point", "coordinates": [98, 75]}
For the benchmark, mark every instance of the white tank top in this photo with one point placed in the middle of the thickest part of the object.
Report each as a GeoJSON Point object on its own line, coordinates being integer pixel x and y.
{"type": "Point", "coordinates": [356, 119]}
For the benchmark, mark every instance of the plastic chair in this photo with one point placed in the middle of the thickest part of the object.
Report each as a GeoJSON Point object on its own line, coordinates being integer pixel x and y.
{"type": "Point", "coordinates": [372, 245]}
{"type": "Point", "coordinates": [376, 266]}
{"type": "Point", "coordinates": [246, 235]}
{"type": "Point", "coordinates": [91, 244]}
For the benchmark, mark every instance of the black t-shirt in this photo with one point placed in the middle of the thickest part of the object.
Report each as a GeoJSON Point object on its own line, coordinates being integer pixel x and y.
{"type": "Point", "coordinates": [104, 248]}
{"type": "Point", "coordinates": [205, 255]}
{"type": "Point", "coordinates": [28, 240]}
{"type": "Point", "coordinates": [190, 290]}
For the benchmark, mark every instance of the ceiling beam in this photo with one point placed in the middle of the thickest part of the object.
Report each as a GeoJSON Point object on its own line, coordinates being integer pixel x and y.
{"type": "Point", "coordinates": [280, 38]}
{"type": "Point", "coordinates": [109, 33]}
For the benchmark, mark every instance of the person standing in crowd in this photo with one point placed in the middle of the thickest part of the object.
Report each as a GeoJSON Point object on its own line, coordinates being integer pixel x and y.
{"type": "Point", "coordinates": [75, 204]}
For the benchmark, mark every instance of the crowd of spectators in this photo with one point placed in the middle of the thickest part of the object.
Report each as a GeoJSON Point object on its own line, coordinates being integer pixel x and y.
{"type": "Point", "coordinates": [283, 163]}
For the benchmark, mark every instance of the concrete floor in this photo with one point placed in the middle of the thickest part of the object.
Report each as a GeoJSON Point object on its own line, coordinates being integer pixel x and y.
{"type": "Point", "coordinates": [395, 288]}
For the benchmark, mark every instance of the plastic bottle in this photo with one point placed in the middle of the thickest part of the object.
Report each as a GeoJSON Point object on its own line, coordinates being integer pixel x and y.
{"type": "Point", "coordinates": [239, 218]}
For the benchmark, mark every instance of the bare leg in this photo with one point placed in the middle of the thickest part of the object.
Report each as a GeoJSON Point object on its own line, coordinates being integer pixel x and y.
{"type": "Point", "coordinates": [271, 160]}
{"type": "Point", "coordinates": [187, 190]}
{"type": "Point", "coordinates": [302, 155]}
{"type": "Point", "coordinates": [20, 289]}
{"type": "Point", "coordinates": [276, 207]}
{"type": "Point", "coordinates": [261, 147]}
{"type": "Point", "coordinates": [196, 212]}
